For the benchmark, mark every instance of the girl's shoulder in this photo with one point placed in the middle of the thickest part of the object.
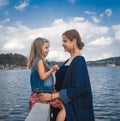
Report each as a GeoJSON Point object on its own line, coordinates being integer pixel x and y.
{"type": "Point", "coordinates": [37, 59]}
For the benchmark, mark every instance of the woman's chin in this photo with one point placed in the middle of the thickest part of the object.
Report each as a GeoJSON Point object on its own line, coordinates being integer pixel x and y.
{"type": "Point", "coordinates": [65, 49]}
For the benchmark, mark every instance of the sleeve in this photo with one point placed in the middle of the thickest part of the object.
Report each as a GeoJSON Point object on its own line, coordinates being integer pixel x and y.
{"type": "Point", "coordinates": [63, 96]}
{"type": "Point", "coordinates": [77, 81]}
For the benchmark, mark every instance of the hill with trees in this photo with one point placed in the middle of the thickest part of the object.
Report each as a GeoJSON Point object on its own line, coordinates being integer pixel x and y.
{"type": "Point", "coordinates": [11, 61]}
{"type": "Point", "coordinates": [113, 61]}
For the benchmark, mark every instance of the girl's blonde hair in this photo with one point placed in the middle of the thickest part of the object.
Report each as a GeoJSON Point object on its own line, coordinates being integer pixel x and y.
{"type": "Point", "coordinates": [37, 51]}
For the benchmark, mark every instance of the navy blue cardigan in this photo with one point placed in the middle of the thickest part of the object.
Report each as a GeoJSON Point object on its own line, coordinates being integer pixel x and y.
{"type": "Point", "coordinates": [76, 92]}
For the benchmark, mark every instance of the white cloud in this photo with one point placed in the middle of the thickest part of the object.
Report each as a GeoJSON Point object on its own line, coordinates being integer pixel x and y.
{"type": "Point", "coordinates": [98, 30]}
{"type": "Point", "coordinates": [108, 12]}
{"type": "Point", "coordinates": [22, 5]}
{"type": "Point", "coordinates": [4, 3]}
{"type": "Point", "coordinates": [95, 19]}
{"type": "Point", "coordinates": [18, 38]}
{"type": "Point", "coordinates": [12, 45]}
{"type": "Point", "coordinates": [101, 41]}
{"type": "Point", "coordinates": [57, 55]}
{"type": "Point", "coordinates": [58, 22]}
{"type": "Point", "coordinates": [90, 12]}
{"type": "Point", "coordinates": [72, 1]}
{"type": "Point", "coordinates": [117, 31]}
{"type": "Point", "coordinates": [5, 21]}
{"type": "Point", "coordinates": [93, 16]}
{"type": "Point", "coordinates": [78, 19]}
{"type": "Point", "coordinates": [14, 39]}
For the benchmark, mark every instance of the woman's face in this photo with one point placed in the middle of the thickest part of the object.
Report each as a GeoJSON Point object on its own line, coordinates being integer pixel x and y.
{"type": "Point", "coordinates": [67, 44]}
{"type": "Point", "coordinates": [45, 48]}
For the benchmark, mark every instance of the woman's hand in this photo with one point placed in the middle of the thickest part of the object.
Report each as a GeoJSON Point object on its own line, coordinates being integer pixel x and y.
{"type": "Point", "coordinates": [44, 96]}
{"type": "Point", "coordinates": [57, 103]}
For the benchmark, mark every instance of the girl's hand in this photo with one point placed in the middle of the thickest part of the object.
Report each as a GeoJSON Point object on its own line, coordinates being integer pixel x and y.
{"type": "Point", "coordinates": [44, 96]}
{"type": "Point", "coordinates": [55, 67]}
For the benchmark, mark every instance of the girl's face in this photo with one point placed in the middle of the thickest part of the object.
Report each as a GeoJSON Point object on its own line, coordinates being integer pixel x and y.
{"type": "Point", "coordinates": [45, 48]}
{"type": "Point", "coordinates": [67, 44]}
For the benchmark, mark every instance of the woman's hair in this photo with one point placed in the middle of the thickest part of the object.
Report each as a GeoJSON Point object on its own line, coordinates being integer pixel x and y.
{"type": "Point", "coordinates": [37, 51]}
{"type": "Point", "coordinates": [73, 34]}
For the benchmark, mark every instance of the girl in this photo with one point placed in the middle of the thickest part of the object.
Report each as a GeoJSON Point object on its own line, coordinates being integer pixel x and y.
{"type": "Point", "coordinates": [41, 75]}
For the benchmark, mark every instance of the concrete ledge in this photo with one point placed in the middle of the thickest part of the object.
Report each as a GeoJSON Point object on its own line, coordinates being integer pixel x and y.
{"type": "Point", "coordinates": [39, 112]}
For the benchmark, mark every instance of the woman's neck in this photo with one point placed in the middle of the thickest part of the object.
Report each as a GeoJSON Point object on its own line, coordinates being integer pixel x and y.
{"type": "Point", "coordinates": [76, 53]}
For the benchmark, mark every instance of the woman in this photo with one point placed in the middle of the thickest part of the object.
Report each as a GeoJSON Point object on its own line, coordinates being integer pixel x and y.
{"type": "Point", "coordinates": [75, 90]}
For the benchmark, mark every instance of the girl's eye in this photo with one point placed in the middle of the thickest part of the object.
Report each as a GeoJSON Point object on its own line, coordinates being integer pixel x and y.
{"type": "Point", "coordinates": [64, 40]}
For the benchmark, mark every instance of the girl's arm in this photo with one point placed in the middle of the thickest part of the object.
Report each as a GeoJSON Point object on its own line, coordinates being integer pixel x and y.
{"type": "Point", "coordinates": [41, 70]}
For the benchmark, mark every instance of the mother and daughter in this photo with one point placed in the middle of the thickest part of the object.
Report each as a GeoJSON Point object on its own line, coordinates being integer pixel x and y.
{"type": "Point", "coordinates": [71, 96]}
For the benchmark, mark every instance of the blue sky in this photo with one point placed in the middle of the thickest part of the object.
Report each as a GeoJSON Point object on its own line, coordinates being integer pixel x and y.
{"type": "Point", "coordinates": [98, 22]}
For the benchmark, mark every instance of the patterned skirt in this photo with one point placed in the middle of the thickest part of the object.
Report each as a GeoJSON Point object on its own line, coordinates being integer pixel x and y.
{"type": "Point", "coordinates": [34, 99]}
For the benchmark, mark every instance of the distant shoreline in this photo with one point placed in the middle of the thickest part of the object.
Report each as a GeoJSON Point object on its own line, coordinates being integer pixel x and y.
{"type": "Point", "coordinates": [25, 68]}
{"type": "Point", "coordinates": [18, 61]}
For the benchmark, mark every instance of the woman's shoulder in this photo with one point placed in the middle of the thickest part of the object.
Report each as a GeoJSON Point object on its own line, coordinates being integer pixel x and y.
{"type": "Point", "coordinates": [79, 61]}
{"type": "Point", "coordinates": [79, 58]}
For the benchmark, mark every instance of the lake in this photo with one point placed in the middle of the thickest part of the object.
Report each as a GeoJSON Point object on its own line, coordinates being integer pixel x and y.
{"type": "Point", "coordinates": [15, 92]}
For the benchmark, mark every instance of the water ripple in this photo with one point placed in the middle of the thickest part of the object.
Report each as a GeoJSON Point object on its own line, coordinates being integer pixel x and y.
{"type": "Point", "coordinates": [15, 88]}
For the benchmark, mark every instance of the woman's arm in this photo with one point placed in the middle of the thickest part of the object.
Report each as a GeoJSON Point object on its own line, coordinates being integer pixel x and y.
{"type": "Point", "coordinates": [41, 70]}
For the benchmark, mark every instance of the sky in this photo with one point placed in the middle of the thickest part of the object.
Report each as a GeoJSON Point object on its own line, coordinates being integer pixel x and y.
{"type": "Point", "coordinates": [97, 21]}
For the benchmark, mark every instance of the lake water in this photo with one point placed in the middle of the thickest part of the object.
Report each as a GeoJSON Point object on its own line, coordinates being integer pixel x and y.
{"type": "Point", "coordinates": [15, 92]}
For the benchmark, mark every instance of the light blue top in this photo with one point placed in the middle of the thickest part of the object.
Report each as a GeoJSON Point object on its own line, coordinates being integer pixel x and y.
{"type": "Point", "coordinates": [36, 82]}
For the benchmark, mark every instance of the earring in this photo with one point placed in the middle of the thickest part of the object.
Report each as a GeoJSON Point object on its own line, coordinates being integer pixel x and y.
{"type": "Point", "coordinates": [73, 50]}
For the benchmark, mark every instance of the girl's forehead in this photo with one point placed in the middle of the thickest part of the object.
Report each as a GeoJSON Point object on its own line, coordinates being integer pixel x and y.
{"type": "Point", "coordinates": [46, 44]}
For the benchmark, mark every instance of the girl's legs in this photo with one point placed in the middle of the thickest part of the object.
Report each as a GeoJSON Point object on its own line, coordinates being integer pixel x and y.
{"type": "Point", "coordinates": [62, 114]}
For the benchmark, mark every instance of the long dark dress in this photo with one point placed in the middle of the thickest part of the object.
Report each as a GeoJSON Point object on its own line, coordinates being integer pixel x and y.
{"type": "Point", "coordinates": [76, 92]}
